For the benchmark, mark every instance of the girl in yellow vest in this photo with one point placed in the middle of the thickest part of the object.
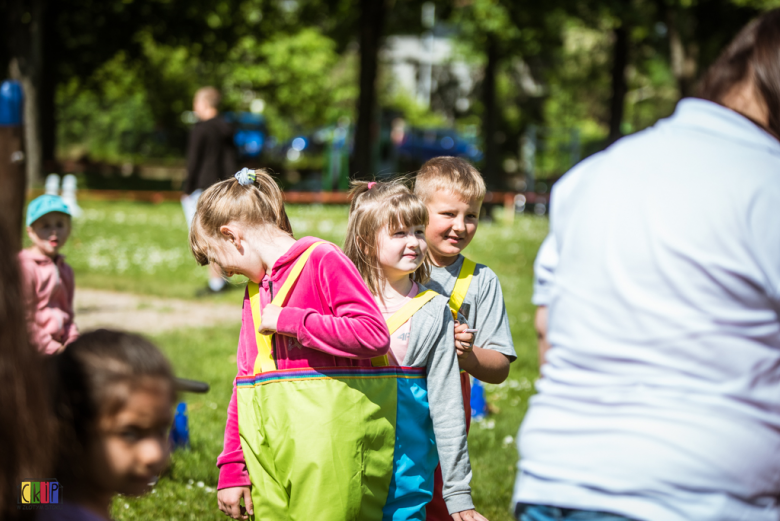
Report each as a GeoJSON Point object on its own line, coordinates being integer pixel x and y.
{"type": "Point", "coordinates": [386, 241]}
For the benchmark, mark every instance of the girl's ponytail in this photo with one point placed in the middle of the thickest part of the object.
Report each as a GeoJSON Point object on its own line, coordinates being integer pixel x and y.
{"type": "Point", "coordinates": [272, 195]}
{"type": "Point", "coordinates": [251, 197]}
{"type": "Point", "coordinates": [357, 189]}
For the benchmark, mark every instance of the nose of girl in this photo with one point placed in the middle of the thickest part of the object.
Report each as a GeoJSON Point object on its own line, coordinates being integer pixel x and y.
{"type": "Point", "coordinates": [153, 453]}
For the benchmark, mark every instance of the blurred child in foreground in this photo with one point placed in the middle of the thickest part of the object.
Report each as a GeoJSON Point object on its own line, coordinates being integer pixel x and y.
{"type": "Point", "coordinates": [48, 283]}
{"type": "Point", "coordinates": [114, 394]}
{"type": "Point", "coordinates": [26, 446]}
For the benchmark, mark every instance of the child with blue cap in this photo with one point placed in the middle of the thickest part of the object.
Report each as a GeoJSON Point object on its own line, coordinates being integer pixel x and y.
{"type": "Point", "coordinates": [48, 279]}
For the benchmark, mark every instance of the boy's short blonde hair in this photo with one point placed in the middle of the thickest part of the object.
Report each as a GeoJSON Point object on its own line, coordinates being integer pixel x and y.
{"type": "Point", "coordinates": [449, 174]}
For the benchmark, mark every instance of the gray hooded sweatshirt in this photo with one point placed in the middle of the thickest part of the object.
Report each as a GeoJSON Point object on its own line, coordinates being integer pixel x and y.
{"type": "Point", "coordinates": [432, 345]}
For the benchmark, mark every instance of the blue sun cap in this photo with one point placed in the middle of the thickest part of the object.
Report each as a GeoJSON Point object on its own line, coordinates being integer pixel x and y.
{"type": "Point", "coordinates": [44, 204]}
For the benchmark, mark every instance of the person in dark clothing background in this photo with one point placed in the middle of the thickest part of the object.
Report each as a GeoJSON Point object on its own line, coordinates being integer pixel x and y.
{"type": "Point", "coordinates": [211, 157]}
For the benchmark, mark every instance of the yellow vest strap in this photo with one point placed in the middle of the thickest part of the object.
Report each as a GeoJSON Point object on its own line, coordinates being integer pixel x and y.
{"type": "Point", "coordinates": [401, 317]}
{"type": "Point", "coordinates": [265, 358]}
{"type": "Point", "coordinates": [461, 286]}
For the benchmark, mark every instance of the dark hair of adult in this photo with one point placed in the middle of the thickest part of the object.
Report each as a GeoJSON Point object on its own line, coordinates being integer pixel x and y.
{"type": "Point", "coordinates": [753, 54]}
{"type": "Point", "coordinates": [25, 418]}
{"type": "Point", "coordinates": [94, 377]}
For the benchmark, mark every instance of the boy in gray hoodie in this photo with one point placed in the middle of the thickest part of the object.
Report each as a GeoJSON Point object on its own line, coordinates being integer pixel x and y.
{"type": "Point", "coordinates": [453, 191]}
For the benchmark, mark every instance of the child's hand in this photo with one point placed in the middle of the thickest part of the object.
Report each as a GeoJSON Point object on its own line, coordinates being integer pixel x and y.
{"type": "Point", "coordinates": [464, 342]}
{"type": "Point", "coordinates": [229, 500]}
{"type": "Point", "coordinates": [269, 317]}
{"type": "Point", "coordinates": [468, 515]}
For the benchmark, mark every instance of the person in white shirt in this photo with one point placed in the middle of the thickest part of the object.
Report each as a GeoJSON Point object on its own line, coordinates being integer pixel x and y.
{"type": "Point", "coordinates": [660, 396]}
{"type": "Point", "coordinates": [544, 271]}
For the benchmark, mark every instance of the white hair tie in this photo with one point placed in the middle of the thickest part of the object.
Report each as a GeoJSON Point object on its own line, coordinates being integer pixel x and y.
{"type": "Point", "coordinates": [245, 177]}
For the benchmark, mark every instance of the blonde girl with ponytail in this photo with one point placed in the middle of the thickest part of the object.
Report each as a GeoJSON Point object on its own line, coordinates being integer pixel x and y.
{"type": "Point", "coordinates": [329, 318]}
{"type": "Point", "coordinates": [386, 241]}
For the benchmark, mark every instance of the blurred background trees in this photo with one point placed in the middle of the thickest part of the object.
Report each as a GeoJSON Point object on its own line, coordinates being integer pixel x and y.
{"type": "Point", "coordinates": [531, 87]}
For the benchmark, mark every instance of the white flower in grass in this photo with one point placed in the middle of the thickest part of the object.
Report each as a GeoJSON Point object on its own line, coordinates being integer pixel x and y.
{"type": "Point", "coordinates": [325, 226]}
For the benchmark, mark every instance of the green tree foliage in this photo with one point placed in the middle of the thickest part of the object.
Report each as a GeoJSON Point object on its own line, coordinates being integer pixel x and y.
{"type": "Point", "coordinates": [125, 71]}
{"type": "Point", "coordinates": [301, 77]}
{"type": "Point", "coordinates": [142, 92]}
{"type": "Point", "coordinates": [105, 121]}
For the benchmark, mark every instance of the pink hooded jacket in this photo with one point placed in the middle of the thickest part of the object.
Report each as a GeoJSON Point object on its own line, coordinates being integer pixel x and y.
{"type": "Point", "coordinates": [48, 289]}
{"type": "Point", "coordinates": [330, 319]}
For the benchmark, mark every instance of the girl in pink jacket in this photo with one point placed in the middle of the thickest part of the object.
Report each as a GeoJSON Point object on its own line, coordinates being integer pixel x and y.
{"type": "Point", "coordinates": [330, 319]}
{"type": "Point", "coordinates": [48, 280]}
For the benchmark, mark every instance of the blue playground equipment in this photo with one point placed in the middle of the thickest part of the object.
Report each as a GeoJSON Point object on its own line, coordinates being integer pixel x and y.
{"type": "Point", "coordinates": [420, 145]}
{"type": "Point", "coordinates": [250, 133]}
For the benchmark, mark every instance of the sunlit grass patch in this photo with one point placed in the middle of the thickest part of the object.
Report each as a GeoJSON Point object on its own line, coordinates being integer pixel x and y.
{"type": "Point", "coordinates": [143, 248]}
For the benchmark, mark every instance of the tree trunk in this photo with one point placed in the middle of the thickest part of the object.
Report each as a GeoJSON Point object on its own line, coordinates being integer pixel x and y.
{"type": "Point", "coordinates": [489, 118]}
{"type": "Point", "coordinates": [48, 119]}
{"type": "Point", "coordinates": [372, 20]}
{"type": "Point", "coordinates": [12, 182]}
{"type": "Point", "coordinates": [25, 19]}
{"type": "Point", "coordinates": [619, 86]}
{"type": "Point", "coordinates": [49, 81]}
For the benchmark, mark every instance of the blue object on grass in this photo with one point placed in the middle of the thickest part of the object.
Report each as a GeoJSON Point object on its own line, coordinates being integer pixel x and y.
{"type": "Point", "coordinates": [180, 431]}
{"type": "Point", "coordinates": [478, 402]}
{"type": "Point", "coordinates": [11, 103]}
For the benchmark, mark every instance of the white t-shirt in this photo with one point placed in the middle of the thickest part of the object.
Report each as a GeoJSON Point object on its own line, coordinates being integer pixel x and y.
{"type": "Point", "coordinates": [661, 393]}
{"type": "Point", "coordinates": [399, 340]}
{"type": "Point", "coordinates": [544, 271]}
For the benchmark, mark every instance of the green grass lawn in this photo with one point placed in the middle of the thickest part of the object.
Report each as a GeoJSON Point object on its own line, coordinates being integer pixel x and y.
{"type": "Point", "coordinates": [143, 248]}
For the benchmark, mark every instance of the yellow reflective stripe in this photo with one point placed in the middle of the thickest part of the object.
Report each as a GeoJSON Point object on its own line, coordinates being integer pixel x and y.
{"type": "Point", "coordinates": [265, 360]}
{"type": "Point", "coordinates": [380, 361]}
{"type": "Point", "coordinates": [265, 357]}
{"type": "Point", "coordinates": [461, 286]}
{"type": "Point", "coordinates": [281, 296]}
{"type": "Point", "coordinates": [401, 317]}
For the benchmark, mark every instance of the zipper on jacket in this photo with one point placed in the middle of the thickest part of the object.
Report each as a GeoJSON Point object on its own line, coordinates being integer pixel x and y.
{"type": "Point", "coordinates": [275, 339]}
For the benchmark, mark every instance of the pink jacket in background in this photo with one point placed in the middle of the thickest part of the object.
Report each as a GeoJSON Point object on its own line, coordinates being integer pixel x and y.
{"type": "Point", "coordinates": [48, 289]}
{"type": "Point", "coordinates": [330, 319]}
